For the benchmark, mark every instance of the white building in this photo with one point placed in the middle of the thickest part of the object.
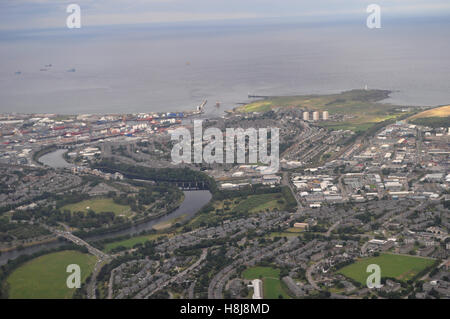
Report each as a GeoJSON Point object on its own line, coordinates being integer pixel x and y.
{"type": "Point", "coordinates": [315, 116]}
{"type": "Point", "coordinates": [271, 179]}
{"type": "Point", "coordinates": [305, 116]}
{"type": "Point", "coordinates": [257, 286]}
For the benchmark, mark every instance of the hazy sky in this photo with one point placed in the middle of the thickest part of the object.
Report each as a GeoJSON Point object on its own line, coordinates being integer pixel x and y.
{"type": "Point", "coordinates": [34, 14]}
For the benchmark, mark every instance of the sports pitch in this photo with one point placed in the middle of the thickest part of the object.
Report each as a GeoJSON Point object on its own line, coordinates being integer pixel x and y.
{"type": "Point", "coordinates": [400, 267]}
{"type": "Point", "coordinates": [272, 285]}
{"type": "Point", "coordinates": [45, 277]}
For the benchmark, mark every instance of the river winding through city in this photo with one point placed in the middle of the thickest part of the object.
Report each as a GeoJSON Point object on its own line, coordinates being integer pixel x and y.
{"type": "Point", "coordinates": [192, 203]}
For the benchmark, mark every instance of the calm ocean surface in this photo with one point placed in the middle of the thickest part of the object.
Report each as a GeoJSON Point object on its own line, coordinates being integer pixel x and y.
{"type": "Point", "coordinates": [162, 68]}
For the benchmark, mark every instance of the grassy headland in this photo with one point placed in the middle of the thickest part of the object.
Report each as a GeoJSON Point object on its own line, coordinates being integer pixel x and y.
{"type": "Point", "coordinates": [355, 110]}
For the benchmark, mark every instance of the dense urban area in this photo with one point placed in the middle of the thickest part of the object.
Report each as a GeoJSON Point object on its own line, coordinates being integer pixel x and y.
{"type": "Point", "coordinates": [356, 186]}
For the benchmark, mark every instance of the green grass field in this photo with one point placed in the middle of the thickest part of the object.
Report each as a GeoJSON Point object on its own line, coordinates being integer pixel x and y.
{"type": "Point", "coordinates": [362, 105]}
{"type": "Point", "coordinates": [272, 287]}
{"type": "Point", "coordinates": [259, 272]}
{"type": "Point", "coordinates": [252, 204]}
{"type": "Point", "coordinates": [129, 243]}
{"type": "Point", "coordinates": [290, 232]}
{"type": "Point", "coordinates": [282, 234]}
{"type": "Point", "coordinates": [45, 276]}
{"type": "Point", "coordinates": [400, 267]}
{"type": "Point", "coordinates": [295, 230]}
{"type": "Point", "coordinates": [256, 203]}
{"type": "Point", "coordinates": [99, 205]}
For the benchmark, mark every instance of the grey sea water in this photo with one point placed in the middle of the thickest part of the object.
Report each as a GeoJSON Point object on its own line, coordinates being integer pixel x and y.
{"type": "Point", "coordinates": [174, 67]}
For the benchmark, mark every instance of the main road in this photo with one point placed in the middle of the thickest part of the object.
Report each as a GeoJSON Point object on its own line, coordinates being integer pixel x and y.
{"type": "Point", "coordinates": [285, 181]}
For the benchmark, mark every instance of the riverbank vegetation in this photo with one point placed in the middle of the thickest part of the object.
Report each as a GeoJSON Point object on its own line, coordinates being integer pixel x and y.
{"type": "Point", "coordinates": [13, 231]}
{"type": "Point", "coordinates": [168, 175]}
{"type": "Point", "coordinates": [131, 242]}
{"type": "Point", "coordinates": [224, 206]}
{"type": "Point", "coordinates": [228, 205]}
{"type": "Point", "coordinates": [42, 152]}
{"type": "Point", "coordinates": [88, 214]}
